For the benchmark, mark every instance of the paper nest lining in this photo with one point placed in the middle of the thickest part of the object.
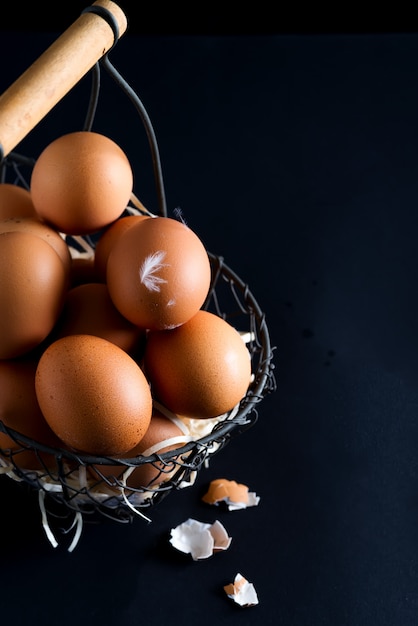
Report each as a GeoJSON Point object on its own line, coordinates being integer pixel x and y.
{"type": "Point", "coordinates": [85, 489]}
{"type": "Point", "coordinates": [80, 482]}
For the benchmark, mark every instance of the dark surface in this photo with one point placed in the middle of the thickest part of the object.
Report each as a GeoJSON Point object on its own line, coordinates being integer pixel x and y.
{"type": "Point", "coordinates": [296, 158]}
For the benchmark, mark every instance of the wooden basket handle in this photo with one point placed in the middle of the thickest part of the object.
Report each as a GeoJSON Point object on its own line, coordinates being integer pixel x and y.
{"type": "Point", "coordinates": [56, 71]}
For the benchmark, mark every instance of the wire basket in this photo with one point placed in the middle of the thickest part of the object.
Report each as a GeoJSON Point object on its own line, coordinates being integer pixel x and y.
{"type": "Point", "coordinates": [91, 485]}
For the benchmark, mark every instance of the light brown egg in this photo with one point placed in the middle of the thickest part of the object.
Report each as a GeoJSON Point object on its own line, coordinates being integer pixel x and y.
{"type": "Point", "coordinates": [201, 369]}
{"type": "Point", "coordinates": [107, 240]}
{"type": "Point", "coordinates": [89, 310]}
{"type": "Point", "coordinates": [81, 182]}
{"type": "Point", "coordinates": [158, 273]}
{"type": "Point", "coordinates": [93, 395]}
{"type": "Point", "coordinates": [35, 226]}
{"type": "Point", "coordinates": [33, 284]}
{"type": "Point", "coordinates": [19, 410]}
{"type": "Point", "coordinates": [149, 475]}
{"type": "Point", "coordinates": [15, 201]}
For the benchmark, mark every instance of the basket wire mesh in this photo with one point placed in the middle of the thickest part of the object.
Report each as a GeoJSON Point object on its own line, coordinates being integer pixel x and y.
{"type": "Point", "coordinates": [82, 483]}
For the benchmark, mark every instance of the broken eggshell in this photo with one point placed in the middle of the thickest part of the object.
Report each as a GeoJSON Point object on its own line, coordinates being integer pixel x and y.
{"type": "Point", "coordinates": [241, 591]}
{"type": "Point", "coordinates": [235, 495]}
{"type": "Point", "coordinates": [199, 539]}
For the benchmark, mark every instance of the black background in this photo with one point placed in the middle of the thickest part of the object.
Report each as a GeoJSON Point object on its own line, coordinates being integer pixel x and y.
{"type": "Point", "coordinates": [220, 18]}
{"type": "Point", "coordinates": [295, 156]}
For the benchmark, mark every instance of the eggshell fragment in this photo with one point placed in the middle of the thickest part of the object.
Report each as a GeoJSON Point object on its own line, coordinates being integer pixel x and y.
{"type": "Point", "coordinates": [200, 369]}
{"type": "Point", "coordinates": [93, 395]}
{"type": "Point", "coordinates": [199, 539]}
{"type": "Point", "coordinates": [242, 591]}
{"type": "Point", "coordinates": [33, 284]}
{"type": "Point", "coordinates": [158, 273]}
{"type": "Point", "coordinates": [235, 495]}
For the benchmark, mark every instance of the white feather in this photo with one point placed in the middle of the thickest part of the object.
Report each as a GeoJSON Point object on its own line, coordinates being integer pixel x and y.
{"type": "Point", "coordinates": [149, 270]}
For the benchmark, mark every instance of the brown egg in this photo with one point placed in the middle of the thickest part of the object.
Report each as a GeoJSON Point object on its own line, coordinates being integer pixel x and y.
{"type": "Point", "coordinates": [82, 270]}
{"type": "Point", "coordinates": [107, 240]}
{"type": "Point", "coordinates": [81, 182]}
{"type": "Point", "coordinates": [149, 475]}
{"type": "Point", "coordinates": [89, 310]}
{"type": "Point", "coordinates": [33, 284]}
{"type": "Point", "coordinates": [201, 369]}
{"type": "Point", "coordinates": [158, 273]}
{"type": "Point", "coordinates": [19, 410]}
{"type": "Point", "coordinates": [35, 226]}
{"type": "Point", "coordinates": [15, 201]}
{"type": "Point", "coordinates": [93, 395]}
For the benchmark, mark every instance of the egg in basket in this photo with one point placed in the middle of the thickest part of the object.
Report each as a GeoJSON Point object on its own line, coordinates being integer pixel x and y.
{"type": "Point", "coordinates": [129, 354]}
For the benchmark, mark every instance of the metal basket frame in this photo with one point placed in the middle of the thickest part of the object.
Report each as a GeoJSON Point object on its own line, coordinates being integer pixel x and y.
{"type": "Point", "coordinates": [66, 483]}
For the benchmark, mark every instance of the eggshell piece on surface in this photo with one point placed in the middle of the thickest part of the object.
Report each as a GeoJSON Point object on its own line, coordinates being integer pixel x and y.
{"type": "Point", "coordinates": [93, 395]}
{"type": "Point", "coordinates": [81, 182]}
{"type": "Point", "coordinates": [158, 273]}
{"type": "Point", "coordinates": [222, 489]}
{"type": "Point", "coordinates": [242, 592]}
{"type": "Point", "coordinates": [15, 201]}
{"type": "Point", "coordinates": [89, 310]}
{"type": "Point", "coordinates": [200, 369]}
{"type": "Point", "coordinates": [33, 284]}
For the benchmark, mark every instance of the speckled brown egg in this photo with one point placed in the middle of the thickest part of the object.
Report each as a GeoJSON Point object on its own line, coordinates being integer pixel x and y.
{"type": "Point", "coordinates": [15, 201]}
{"type": "Point", "coordinates": [158, 273]}
{"type": "Point", "coordinates": [19, 410]}
{"type": "Point", "coordinates": [33, 284]}
{"type": "Point", "coordinates": [93, 395]}
{"type": "Point", "coordinates": [200, 369]}
{"type": "Point", "coordinates": [81, 182]}
{"type": "Point", "coordinates": [89, 310]}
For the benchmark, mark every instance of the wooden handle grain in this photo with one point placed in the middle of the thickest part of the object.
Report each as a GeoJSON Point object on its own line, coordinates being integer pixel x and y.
{"type": "Point", "coordinates": [27, 101]}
